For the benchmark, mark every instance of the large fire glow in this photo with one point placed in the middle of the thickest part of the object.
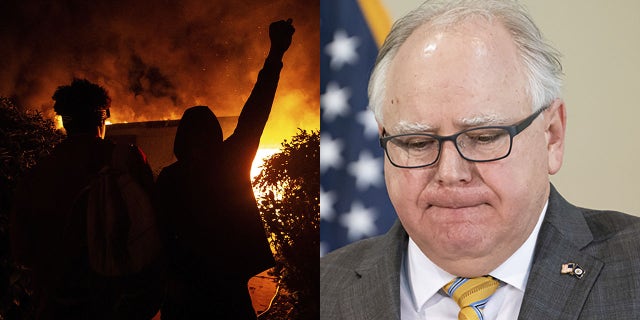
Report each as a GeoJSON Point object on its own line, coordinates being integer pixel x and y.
{"type": "Point", "coordinates": [157, 58]}
{"type": "Point", "coordinates": [258, 161]}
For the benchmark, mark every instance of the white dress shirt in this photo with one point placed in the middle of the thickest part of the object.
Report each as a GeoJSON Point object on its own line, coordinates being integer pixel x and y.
{"type": "Point", "coordinates": [421, 281]}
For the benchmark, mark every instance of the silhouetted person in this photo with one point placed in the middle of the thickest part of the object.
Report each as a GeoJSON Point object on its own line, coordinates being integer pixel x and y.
{"type": "Point", "coordinates": [48, 234]}
{"type": "Point", "coordinates": [213, 229]}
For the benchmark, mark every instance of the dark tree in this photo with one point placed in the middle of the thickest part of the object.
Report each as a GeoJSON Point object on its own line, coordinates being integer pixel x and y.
{"type": "Point", "coordinates": [290, 206]}
{"type": "Point", "coordinates": [25, 136]}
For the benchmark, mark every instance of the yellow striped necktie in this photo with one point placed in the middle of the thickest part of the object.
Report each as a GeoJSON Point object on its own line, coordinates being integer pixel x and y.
{"type": "Point", "coordinates": [471, 295]}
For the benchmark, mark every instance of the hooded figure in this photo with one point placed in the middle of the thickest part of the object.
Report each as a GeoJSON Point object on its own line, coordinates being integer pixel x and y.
{"type": "Point", "coordinates": [213, 230]}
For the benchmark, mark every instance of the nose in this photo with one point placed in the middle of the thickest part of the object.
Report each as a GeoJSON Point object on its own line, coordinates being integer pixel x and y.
{"type": "Point", "coordinates": [452, 169]}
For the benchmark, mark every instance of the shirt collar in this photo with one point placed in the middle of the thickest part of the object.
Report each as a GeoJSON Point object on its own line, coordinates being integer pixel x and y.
{"type": "Point", "coordinates": [511, 271]}
{"type": "Point", "coordinates": [426, 278]}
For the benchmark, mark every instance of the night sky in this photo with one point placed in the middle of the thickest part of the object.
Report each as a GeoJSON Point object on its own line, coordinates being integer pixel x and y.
{"type": "Point", "coordinates": [156, 58]}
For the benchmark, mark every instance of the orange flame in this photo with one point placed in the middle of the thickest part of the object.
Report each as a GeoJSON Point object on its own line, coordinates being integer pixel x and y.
{"type": "Point", "coordinates": [179, 55]}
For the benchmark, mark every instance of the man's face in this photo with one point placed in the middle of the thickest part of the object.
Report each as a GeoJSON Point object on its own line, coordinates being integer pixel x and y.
{"type": "Point", "coordinates": [468, 217]}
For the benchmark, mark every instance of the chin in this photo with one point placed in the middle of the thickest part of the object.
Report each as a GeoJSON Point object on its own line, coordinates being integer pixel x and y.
{"type": "Point", "coordinates": [458, 236]}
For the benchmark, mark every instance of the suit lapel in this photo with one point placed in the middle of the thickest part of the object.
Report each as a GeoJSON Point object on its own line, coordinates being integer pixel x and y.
{"type": "Point", "coordinates": [551, 294]}
{"type": "Point", "coordinates": [376, 293]}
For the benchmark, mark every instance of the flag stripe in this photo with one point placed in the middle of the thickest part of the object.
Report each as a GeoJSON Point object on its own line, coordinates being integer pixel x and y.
{"type": "Point", "coordinates": [377, 18]}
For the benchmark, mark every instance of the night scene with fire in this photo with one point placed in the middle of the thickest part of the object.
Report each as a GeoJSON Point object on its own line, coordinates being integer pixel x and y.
{"type": "Point", "coordinates": [159, 159]}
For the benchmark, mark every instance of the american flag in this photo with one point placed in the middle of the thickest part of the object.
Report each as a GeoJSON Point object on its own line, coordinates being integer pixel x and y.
{"type": "Point", "coordinates": [353, 198]}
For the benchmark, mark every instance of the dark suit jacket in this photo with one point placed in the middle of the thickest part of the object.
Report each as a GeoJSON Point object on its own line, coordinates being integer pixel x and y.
{"type": "Point", "coordinates": [362, 280]}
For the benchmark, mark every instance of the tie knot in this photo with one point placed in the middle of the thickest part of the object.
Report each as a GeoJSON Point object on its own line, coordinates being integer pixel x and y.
{"type": "Point", "coordinates": [471, 294]}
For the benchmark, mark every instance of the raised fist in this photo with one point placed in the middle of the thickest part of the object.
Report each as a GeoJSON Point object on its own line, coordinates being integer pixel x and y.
{"type": "Point", "coordinates": [280, 33]}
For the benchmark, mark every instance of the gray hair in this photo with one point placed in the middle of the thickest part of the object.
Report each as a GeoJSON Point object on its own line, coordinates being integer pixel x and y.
{"type": "Point", "coordinates": [540, 59]}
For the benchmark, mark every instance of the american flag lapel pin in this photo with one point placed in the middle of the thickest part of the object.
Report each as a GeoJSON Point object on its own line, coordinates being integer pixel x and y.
{"type": "Point", "coordinates": [573, 269]}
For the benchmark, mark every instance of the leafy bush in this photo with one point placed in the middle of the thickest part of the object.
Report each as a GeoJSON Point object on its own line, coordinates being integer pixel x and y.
{"type": "Point", "coordinates": [290, 207]}
{"type": "Point", "coordinates": [25, 136]}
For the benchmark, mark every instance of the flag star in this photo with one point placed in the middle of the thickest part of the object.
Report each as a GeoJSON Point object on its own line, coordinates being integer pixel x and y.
{"type": "Point", "coordinates": [359, 221]}
{"type": "Point", "coordinates": [342, 50]}
{"type": "Point", "coordinates": [368, 120]}
{"type": "Point", "coordinates": [330, 156]}
{"type": "Point", "coordinates": [367, 170]}
{"type": "Point", "coordinates": [335, 101]}
{"type": "Point", "coordinates": [327, 200]}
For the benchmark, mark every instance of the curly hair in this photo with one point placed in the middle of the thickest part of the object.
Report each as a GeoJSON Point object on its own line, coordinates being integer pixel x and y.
{"type": "Point", "coordinates": [80, 98]}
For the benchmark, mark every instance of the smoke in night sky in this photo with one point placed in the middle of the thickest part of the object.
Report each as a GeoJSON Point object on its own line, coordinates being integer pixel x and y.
{"type": "Point", "coordinates": [156, 58]}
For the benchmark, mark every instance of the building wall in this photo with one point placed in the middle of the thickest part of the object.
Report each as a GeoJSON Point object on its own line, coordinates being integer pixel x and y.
{"type": "Point", "coordinates": [156, 138]}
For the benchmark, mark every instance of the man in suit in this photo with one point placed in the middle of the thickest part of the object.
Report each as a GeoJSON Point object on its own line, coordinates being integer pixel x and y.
{"type": "Point", "coordinates": [467, 99]}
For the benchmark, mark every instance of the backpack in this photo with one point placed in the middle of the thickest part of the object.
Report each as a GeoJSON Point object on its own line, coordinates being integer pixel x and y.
{"type": "Point", "coordinates": [121, 231]}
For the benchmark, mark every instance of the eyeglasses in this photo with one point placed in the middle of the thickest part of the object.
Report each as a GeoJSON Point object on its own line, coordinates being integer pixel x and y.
{"type": "Point", "coordinates": [481, 144]}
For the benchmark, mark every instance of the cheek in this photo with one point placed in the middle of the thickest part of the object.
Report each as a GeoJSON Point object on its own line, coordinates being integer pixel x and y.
{"type": "Point", "coordinates": [508, 180]}
{"type": "Point", "coordinates": [529, 167]}
{"type": "Point", "coordinates": [404, 186]}
{"type": "Point", "coordinates": [519, 183]}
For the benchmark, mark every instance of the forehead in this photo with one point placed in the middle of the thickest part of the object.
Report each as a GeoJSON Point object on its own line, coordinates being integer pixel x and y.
{"type": "Point", "coordinates": [468, 71]}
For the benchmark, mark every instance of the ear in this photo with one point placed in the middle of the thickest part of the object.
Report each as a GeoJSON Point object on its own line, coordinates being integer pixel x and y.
{"type": "Point", "coordinates": [556, 124]}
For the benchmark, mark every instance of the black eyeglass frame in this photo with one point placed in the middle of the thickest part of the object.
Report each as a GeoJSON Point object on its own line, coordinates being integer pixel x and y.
{"type": "Point", "coordinates": [513, 131]}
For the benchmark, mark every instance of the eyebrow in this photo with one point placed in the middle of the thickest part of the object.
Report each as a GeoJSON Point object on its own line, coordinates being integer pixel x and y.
{"type": "Point", "coordinates": [487, 119]}
{"type": "Point", "coordinates": [404, 127]}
